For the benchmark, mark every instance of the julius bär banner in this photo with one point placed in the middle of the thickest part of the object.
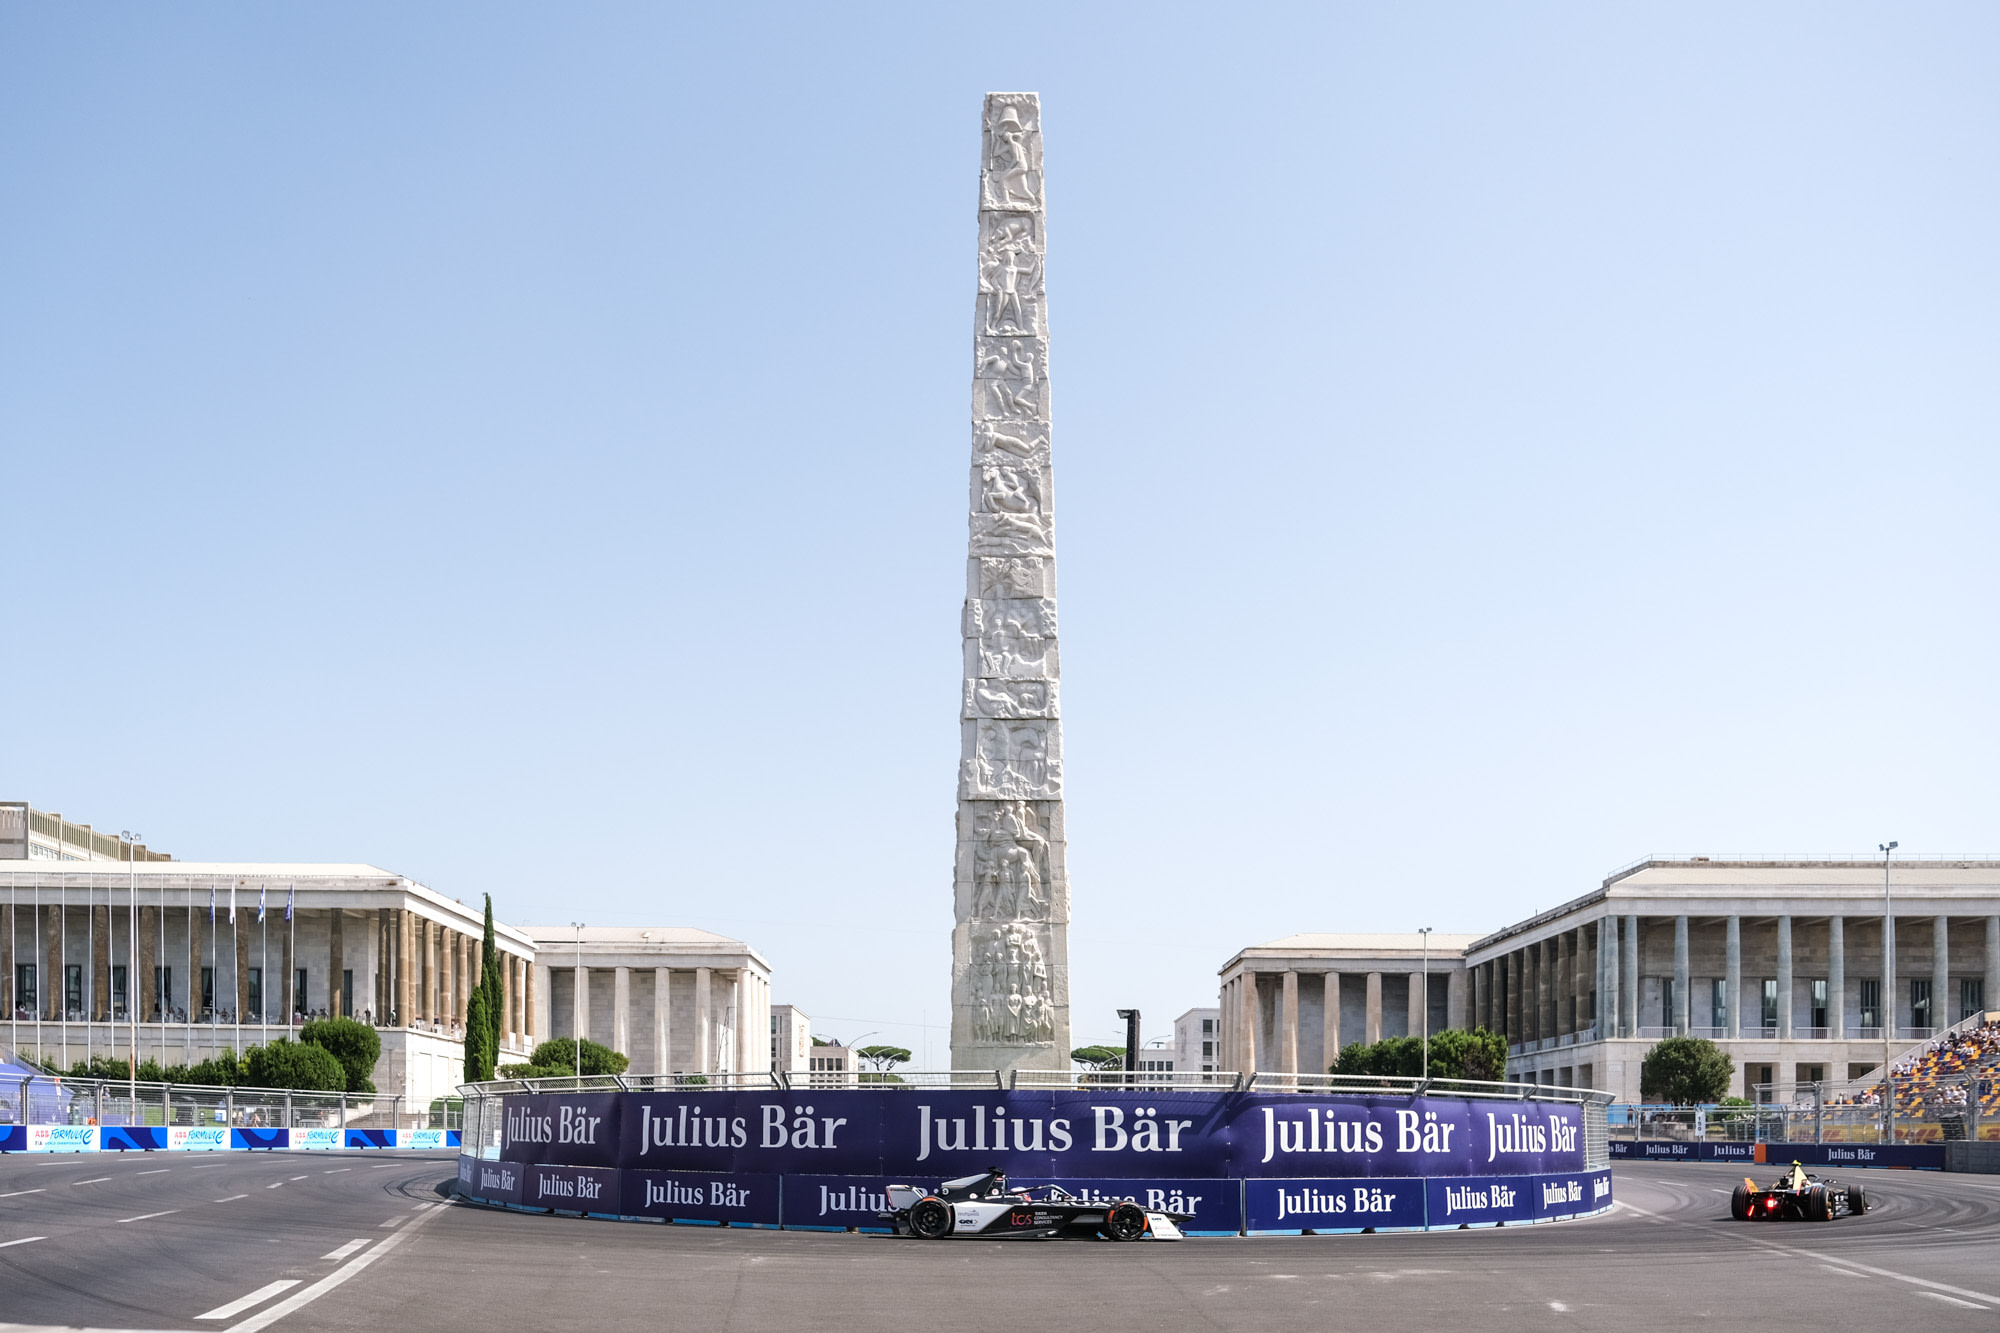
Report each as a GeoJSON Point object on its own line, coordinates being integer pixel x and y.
{"type": "Point", "coordinates": [1065, 1134]}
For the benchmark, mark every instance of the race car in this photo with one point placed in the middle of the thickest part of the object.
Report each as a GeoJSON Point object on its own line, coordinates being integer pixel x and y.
{"type": "Point", "coordinates": [1797, 1197]}
{"type": "Point", "coordinates": [983, 1206]}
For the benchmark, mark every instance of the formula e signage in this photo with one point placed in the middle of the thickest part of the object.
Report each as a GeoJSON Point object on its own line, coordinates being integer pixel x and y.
{"type": "Point", "coordinates": [197, 1138]}
{"type": "Point", "coordinates": [1918, 1156]}
{"type": "Point", "coordinates": [62, 1138]}
{"type": "Point", "coordinates": [1062, 1135]}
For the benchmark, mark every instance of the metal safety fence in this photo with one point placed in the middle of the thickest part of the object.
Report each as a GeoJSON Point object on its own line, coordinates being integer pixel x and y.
{"type": "Point", "coordinates": [48, 1099]}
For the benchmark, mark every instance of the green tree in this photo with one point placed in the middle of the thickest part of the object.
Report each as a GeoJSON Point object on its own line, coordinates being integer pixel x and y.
{"type": "Point", "coordinates": [480, 1048]}
{"type": "Point", "coordinates": [355, 1044]}
{"type": "Point", "coordinates": [1391, 1057]}
{"type": "Point", "coordinates": [1685, 1071]}
{"type": "Point", "coordinates": [285, 1063]}
{"type": "Point", "coordinates": [558, 1055]}
{"type": "Point", "coordinates": [1099, 1057]}
{"type": "Point", "coordinates": [1471, 1054]}
{"type": "Point", "coordinates": [489, 989]}
{"type": "Point", "coordinates": [884, 1057]}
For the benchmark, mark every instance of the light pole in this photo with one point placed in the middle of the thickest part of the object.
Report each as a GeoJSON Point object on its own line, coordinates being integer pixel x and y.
{"type": "Point", "coordinates": [1888, 1014]}
{"type": "Point", "coordinates": [132, 962]}
{"type": "Point", "coordinates": [1425, 931]}
{"type": "Point", "coordinates": [576, 1001]}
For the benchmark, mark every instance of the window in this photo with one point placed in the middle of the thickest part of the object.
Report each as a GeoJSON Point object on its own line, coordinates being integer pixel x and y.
{"type": "Point", "coordinates": [299, 992]}
{"type": "Point", "coordinates": [1770, 1015]}
{"type": "Point", "coordinates": [24, 986]}
{"type": "Point", "coordinates": [1208, 1050]}
{"type": "Point", "coordinates": [1208, 1027]}
{"type": "Point", "coordinates": [347, 992]}
{"type": "Point", "coordinates": [208, 988]}
{"type": "Point", "coordinates": [1666, 1002]}
{"type": "Point", "coordinates": [163, 989]}
{"type": "Point", "coordinates": [1718, 1003]}
{"type": "Point", "coordinates": [254, 992]}
{"type": "Point", "coordinates": [1818, 1007]}
{"type": "Point", "coordinates": [1920, 1002]}
{"type": "Point", "coordinates": [1811, 1074]}
{"type": "Point", "coordinates": [1971, 996]}
{"type": "Point", "coordinates": [117, 987]}
{"type": "Point", "coordinates": [1871, 1003]}
{"type": "Point", "coordinates": [73, 987]}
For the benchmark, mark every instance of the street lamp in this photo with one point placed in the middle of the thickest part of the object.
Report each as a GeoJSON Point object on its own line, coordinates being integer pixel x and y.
{"type": "Point", "coordinates": [1888, 1014]}
{"type": "Point", "coordinates": [1425, 931]}
{"type": "Point", "coordinates": [576, 1001]}
{"type": "Point", "coordinates": [1131, 1017]}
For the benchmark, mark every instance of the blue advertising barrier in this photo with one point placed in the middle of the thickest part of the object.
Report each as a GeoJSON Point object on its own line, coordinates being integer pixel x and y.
{"type": "Point", "coordinates": [1059, 1135]}
{"type": "Point", "coordinates": [1239, 1162]}
{"type": "Point", "coordinates": [1916, 1156]}
{"type": "Point", "coordinates": [211, 1138]}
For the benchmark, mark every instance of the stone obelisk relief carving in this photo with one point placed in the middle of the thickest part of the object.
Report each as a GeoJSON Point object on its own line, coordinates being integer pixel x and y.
{"type": "Point", "coordinates": [1010, 946]}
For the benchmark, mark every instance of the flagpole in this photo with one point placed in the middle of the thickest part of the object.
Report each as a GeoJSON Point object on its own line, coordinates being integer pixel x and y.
{"type": "Point", "coordinates": [264, 980]}
{"type": "Point", "coordinates": [235, 1009]}
{"type": "Point", "coordinates": [291, 952]}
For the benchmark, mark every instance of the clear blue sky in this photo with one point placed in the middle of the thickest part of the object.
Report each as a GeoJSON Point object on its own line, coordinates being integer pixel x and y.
{"type": "Point", "coordinates": [525, 447]}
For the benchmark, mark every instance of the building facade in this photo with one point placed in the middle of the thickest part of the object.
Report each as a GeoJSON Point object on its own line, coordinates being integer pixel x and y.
{"type": "Point", "coordinates": [1287, 1007]}
{"type": "Point", "coordinates": [1782, 963]}
{"type": "Point", "coordinates": [674, 999]}
{"type": "Point", "coordinates": [28, 834]}
{"type": "Point", "coordinates": [1197, 1041]}
{"type": "Point", "coordinates": [791, 1038]}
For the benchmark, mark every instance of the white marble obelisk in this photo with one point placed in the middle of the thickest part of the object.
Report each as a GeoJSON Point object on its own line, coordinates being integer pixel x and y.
{"type": "Point", "coordinates": [1010, 946]}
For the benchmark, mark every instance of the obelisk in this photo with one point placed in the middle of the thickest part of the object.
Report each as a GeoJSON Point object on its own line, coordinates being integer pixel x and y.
{"type": "Point", "coordinates": [1010, 944]}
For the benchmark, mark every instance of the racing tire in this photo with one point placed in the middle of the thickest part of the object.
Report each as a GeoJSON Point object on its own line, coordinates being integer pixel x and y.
{"type": "Point", "coordinates": [930, 1219]}
{"type": "Point", "coordinates": [1857, 1201]}
{"type": "Point", "coordinates": [1739, 1204]}
{"type": "Point", "coordinates": [1819, 1206]}
{"type": "Point", "coordinates": [1125, 1221]}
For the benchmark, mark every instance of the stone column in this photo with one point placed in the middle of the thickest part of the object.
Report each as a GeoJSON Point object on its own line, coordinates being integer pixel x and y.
{"type": "Point", "coordinates": [1455, 983]}
{"type": "Point", "coordinates": [140, 992]}
{"type": "Point", "coordinates": [704, 1038]}
{"type": "Point", "coordinates": [100, 965]}
{"type": "Point", "coordinates": [1545, 986]}
{"type": "Point", "coordinates": [336, 960]}
{"type": "Point", "coordinates": [1889, 1006]}
{"type": "Point", "coordinates": [1584, 997]}
{"type": "Point", "coordinates": [746, 1014]}
{"type": "Point", "coordinates": [241, 987]}
{"type": "Point", "coordinates": [541, 986]}
{"type": "Point", "coordinates": [1628, 978]}
{"type": "Point", "coordinates": [406, 966]}
{"type": "Point", "coordinates": [1836, 980]}
{"type": "Point", "coordinates": [621, 1010]}
{"type": "Point", "coordinates": [1992, 997]}
{"type": "Point", "coordinates": [1374, 1033]}
{"type": "Point", "coordinates": [197, 956]}
{"type": "Point", "coordinates": [1288, 1024]}
{"type": "Point", "coordinates": [1680, 1018]}
{"type": "Point", "coordinates": [1247, 1000]}
{"type": "Point", "coordinates": [1784, 978]}
{"type": "Point", "coordinates": [1011, 891]}
{"type": "Point", "coordinates": [1329, 1038]}
{"type": "Point", "coordinates": [288, 981]}
{"type": "Point", "coordinates": [510, 998]}
{"type": "Point", "coordinates": [1517, 1031]}
{"type": "Point", "coordinates": [1943, 1012]}
{"type": "Point", "coordinates": [1732, 975]}
{"type": "Point", "coordinates": [7, 1000]}
{"type": "Point", "coordinates": [663, 1027]}
{"type": "Point", "coordinates": [1416, 1003]}
{"type": "Point", "coordinates": [579, 1003]}
{"type": "Point", "coordinates": [1609, 1017]}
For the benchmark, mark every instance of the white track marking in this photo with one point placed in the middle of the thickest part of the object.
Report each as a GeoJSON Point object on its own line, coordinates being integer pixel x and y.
{"type": "Point", "coordinates": [143, 1216]}
{"type": "Point", "coordinates": [25, 1240]}
{"type": "Point", "coordinates": [257, 1297]}
{"type": "Point", "coordinates": [336, 1171]}
{"type": "Point", "coordinates": [347, 1249]}
{"type": "Point", "coordinates": [395, 1222]}
{"type": "Point", "coordinates": [162, 1170]}
{"type": "Point", "coordinates": [1951, 1300]}
{"type": "Point", "coordinates": [299, 1300]}
{"type": "Point", "coordinates": [1844, 1272]}
{"type": "Point", "coordinates": [210, 1166]}
{"type": "Point", "coordinates": [1824, 1259]}
{"type": "Point", "coordinates": [274, 1184]}
{"type": "Point", "coordinates": [233, 1198]}
{"type": "Point", "coordinates": [1558, 1307]}
{"type": "Point", "coordinates": [302, 1177]}
{"type": "Point", "coordinates": [94, 1180]}
{"type": "Point", "coordinates": [39, 1189]}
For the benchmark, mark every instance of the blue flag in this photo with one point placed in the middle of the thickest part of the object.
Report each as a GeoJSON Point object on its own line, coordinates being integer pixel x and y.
{"type": "Point", "coordinates": [211, 904]}
{"type": "Point", "coordinates": [289, 891]}
{"type": "Point", "coordinates": [260, 902]}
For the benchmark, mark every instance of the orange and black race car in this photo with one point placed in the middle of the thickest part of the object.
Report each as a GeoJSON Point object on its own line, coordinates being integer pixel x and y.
{"type": "Point", "coordinates": [1797, 1197]}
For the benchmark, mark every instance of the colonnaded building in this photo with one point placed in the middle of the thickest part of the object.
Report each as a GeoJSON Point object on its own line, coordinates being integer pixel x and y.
{"type": "Point", "coordinates": [1781, 962]}
{"type": "Point", "coordinates": [226, 955]}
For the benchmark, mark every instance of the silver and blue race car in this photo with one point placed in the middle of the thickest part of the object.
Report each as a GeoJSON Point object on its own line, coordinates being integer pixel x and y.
{"type": "Point", "coordinates": [984, 1206]}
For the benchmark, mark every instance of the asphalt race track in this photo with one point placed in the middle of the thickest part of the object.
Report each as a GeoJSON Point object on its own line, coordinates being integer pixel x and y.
{"type": "Point", "coordinates": [367, 1241]}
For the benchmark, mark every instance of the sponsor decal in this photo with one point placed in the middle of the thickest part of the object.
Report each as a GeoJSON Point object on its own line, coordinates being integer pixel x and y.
{"type": "Point", "coordinates": [130, 1138]}
{"type": "Point", "coordinates": [499, 1181]}
{"type": "Point", "coordinates": [691, 1196]}
{"type": "Point", "coordinates": [317, 1139]}
{"type": "Point", "coordinates": [62, 1138]}
{"type": "Point", "coordinates": [371, 1138]}
{"type": "Point", "coordinates": [13, 1138]}
{"type": "Point", "coordinates": [1333, 1205]}
{"type": "Point", "coordinates": [427, 1138]}
{"type": "Point", "coordinates": [197, 1138]}
{"type": "Point", "coordinates": [1479, 1200]}
{"type": "Point", "coordinates": [1569, 1195]}
{"type": "Point", "coordinates": [572, 1189]}
{"type": "Point", "coordinates": [260, 1137]}
{"type": "Point", "coordinates": [840, 1202]}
